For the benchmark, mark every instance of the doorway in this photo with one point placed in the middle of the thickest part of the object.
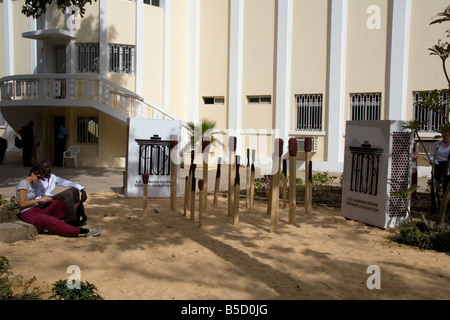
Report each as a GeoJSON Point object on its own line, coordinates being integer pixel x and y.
{"type": "Point", "coordinates": [60, 59]}
{"type": "Point", "coordinates": [59, 140]}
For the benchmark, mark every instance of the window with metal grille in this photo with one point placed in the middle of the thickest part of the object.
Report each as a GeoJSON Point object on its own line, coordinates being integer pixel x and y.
{"type": "Point", "coordinates": [152, 2]}
{"type": "Point", "coordinates": [365, 106]}
{"type": "Point", "coordinates": [88, 56]}
{"type": "Point", "coordinates": [87, 130]}
{"type": "Point", "coordinates": [309, 112]}
{"type": "Point", "coordinates": [259, 99]}
{"type": "Point", "coordinates": [213, 100]}
{"type": "Point", "coordinates": [431, 121]}
{"type": "Point", "coordinates": [2, 121]}
{"type": "Point", "coordinates": [121, 58]}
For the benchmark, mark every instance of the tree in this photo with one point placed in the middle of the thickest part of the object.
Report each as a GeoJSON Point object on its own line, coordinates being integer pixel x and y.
{"type": "Point", "coordinates": [436, 101]}
{"type": "Point", "coordinates": [35, 9]}
{"type": "Point", "coordinates": [199, 131]}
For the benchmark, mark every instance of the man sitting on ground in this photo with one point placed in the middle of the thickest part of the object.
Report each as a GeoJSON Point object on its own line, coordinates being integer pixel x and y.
{"type": "Point", "coordinates": [71, 196]}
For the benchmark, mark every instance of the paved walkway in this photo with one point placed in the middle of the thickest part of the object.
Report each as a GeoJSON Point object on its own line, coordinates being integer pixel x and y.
{"type": "Point", "coordinates": [99, 180]}
{"type": "Point", "coordinates": [96, 180]}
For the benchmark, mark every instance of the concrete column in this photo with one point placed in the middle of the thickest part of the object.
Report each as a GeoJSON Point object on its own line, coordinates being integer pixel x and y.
{"type": "Point", "coordinates": [103, 45]}
{"type": "Point", "coordinates": [236, 31]}
{"type": "Point", "coordinates": [336, 86]}
{"type": "Point", "coordinates": [9, 39]}
{"type": "Point", "coordinates": [194, 60]}
{"type": "Point", "coordinates": [283, 68]}
{"type": "Point", "coordinates": [398, 60]}
{"type": "Point", "coordinates": [166, 55]}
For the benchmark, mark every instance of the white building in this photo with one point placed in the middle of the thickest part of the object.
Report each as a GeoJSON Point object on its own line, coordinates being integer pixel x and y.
{"type": "Point", "coordinates": [259, 68]}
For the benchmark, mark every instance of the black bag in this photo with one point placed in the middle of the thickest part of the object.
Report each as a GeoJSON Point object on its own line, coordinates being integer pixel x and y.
{"type": "Point", "coordinates": [81, 216]}
{"type": "Point", "coordinates": [18, 142]}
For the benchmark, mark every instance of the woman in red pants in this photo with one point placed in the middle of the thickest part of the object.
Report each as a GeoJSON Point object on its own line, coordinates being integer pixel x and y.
{"type": "Point", "coordinates": [46, 212]}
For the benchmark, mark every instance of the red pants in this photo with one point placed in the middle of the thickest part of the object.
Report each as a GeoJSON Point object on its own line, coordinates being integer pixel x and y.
{"type": "Point", "coordinates": [49, 216]}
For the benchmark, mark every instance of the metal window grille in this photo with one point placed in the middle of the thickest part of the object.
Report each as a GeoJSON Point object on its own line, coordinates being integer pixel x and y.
{"type": "Point", "coordinates": [121, 58]}
{"type": "Point", "coordinates": [431, 121]}
{"type": "Point", "coordinates": [365, 106]}
{"type": "Point", "coordinates": [309, 112]}
{"type": "Point", "coordinates": [88, 56]}
{"type": "Point", "coordinates": [2, 121]}
{"type": "Point", "coordinates": [87, 130]}
{"type": "Point", "coordinates": [152, 2]}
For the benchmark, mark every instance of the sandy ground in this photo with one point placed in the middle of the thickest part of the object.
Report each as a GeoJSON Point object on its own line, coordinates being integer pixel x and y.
{"type": "Point", "coordinates": [168, 256]}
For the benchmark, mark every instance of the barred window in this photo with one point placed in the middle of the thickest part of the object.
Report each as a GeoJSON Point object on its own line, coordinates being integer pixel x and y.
{"type": "Point", "coordinates": [309, 112]}
{"type": "Point", "coordinates": [2, 121]}
{"type": "Point", "coordinates": [365, 106]}
{"type": "Point", "coordinates": [121, 58]}
{"type": "Point", "coordinates": [88, 57]}
{"type": "Point", "coordinates": [431, 121]}
{"type": "Point", "coordinates": [152, 2]}
{"type": "Point", "coordinates": [87, 130]}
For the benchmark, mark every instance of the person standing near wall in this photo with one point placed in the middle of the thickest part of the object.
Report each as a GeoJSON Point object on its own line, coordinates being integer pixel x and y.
{"type": "Point", "coordinates": [440, 153]}
{"type": "Point", "coordinates": [27, 134]}
{"type": "Point", "coordinates": [60, 147]}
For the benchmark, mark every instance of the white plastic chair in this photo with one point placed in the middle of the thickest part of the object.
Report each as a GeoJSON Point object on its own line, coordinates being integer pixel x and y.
{"type": "Point", "coordinates": [72, 153]}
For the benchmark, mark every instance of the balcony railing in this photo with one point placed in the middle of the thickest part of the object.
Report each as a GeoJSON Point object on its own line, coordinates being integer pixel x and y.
{"type": "Point", "coordinates": [80, 90]}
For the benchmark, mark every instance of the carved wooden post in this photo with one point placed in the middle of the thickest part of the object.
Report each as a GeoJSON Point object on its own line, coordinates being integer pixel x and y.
{"type": "Point", "coordinates": [191, 174]}
{"type": "Point", "coordinates": [173, 172]}
{"type": "Point", "coordinates": [193, 199]}
{"type": "Point", "coordinates": [237, 183]}
{"type": "Point", "coordinates": [292, 179]}
{"type": "Point", "coordinates": [186, 198]}
{"type": "Point", "coordinates": [252, 181]}
{"type": "Point", "coordinates": [308, 175]}
{"type": "Point", "coordinates": [231, 174]}
{"type": "Point", "coordinates": [145, 177]}
{"type": "Point", "coordinates": [284, 183]}
{"type": "Point", "coordinates": [278, 152]}
{"type": "Point", "coordinates": [217, 185]}
{"type": "Point", "coordinates": [206, 144]}
{"type": "Point", "coordinates": [200, 206]}
{"type": "Point", "coordinates": [247, 180]}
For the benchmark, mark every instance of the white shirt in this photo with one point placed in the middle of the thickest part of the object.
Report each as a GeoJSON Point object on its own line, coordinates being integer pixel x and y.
{"type": "Point", "coordinates": [46, 186]}
{"type": "Point", "coordinates": [439, 152]}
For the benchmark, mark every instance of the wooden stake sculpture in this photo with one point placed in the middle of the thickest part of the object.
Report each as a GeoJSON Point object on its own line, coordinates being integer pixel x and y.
{"type": "Point", "coordinates": [145, 177]}
{"type": "Point", "coordinates": [284, 183]}
{"type": "Point", "coordinates": [252, 181]}
{"type": "Point", "coordinates": [173, 172]}
{"type": "Point", "coordinates": [191, 175]}
{"type": "Point", "coordinates": [276, 184]}
{"type": "Point", "coordinates": [247, 180]}
{"type": "Point", "coordinates": [308, 175]}
{"type": "Point", "coordinates": [193, 199]}
{"type": "Point", "coordinates": [237, 182]}
{"type": "Point", "coordinates": [205, 149]}
{"type": "Point", "coordinates": [231, 174]}
{"type": "Point", "coordinates": [186, 198]}
{"type": "Point", "coordinates": [292, 179]}
{"type": "Point", "coordinates": [217, 185]}
{"type": "Point", "coordinates": [200, 206]}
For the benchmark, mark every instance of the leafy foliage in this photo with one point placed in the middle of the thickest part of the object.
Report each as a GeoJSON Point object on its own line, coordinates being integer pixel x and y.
{"type": "Point", "coordinates": [36, 8]}
{"type": "Point", "coordinates": [7, 280]}
{"type": "Point", "coordinates": [416, 233]}
{"type": "Point", "coordinates": [87, 291]}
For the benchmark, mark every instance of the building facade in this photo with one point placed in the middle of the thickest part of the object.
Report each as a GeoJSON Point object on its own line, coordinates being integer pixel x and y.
{"type": "Point", "coordinates": [261, 69]}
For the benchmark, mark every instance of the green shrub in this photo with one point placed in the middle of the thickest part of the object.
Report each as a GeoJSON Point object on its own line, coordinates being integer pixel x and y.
{"type": "Point", "coordinates": [87, 291]}
{"type": "Point", "coordinates": [416, 233]}
{"type": "Point", "coordinates": [7, 279]}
